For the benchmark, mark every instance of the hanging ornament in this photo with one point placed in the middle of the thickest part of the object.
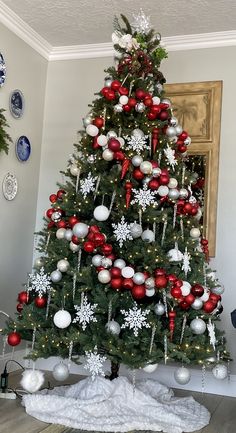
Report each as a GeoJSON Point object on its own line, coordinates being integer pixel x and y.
{"type": "Point", "coordinates": [195, 233]}
{"type": "Point", "coordinates": [101, 213]}
{"type": "Point", "coordinates": [220, 371]}
{"type": "Point", "coordinates": [211, 332]}
{"type": "Point", "coordinates": [159, 309]}
{"type": "Point", "coordinates": [128, 194]}
{"type": "Point", "coordinates": [113, 327]}
{"type": "Point", "coordinates": [186, 262]}
{"type": "Point", "coordinates": [56, 276]}
{"type": "Point", "coordinates": [137, 160]}
{"type": "Point", "coordinates": [183, 329]}
{"type": "Point", "coordinates": [14, 338]}
{"type": "Point", "coordinates": [119, 263]}
{"type": "Point", "coordinates": [104, 276]}
{"type": "Point", "coordinates": [85, 312]}
{"type": "Point", "coordinates": [135, 230]}
{"type": "Point", "coordinates": [125, 166]}
{"type": "Point", "coordinates": [60, 371]}
{"type": "Point", "coordinates": [165, 349]}
{"type": "Point", "coordinates": [182, 375]}
{"type": "Point", "coordinates": [135, 319]}
{"type": "Point", "coordinates": [155, 133]}
{"type": "Point", "coordinates": [62, 319]}
{"type": "Point", "coordinates": [95, 363]}
{"type": "Point", "coordinates": [172, 316]}
{"type": "Point", "coordinates": [198, 326]}
{"type": "Point", "coordinates": [152, 338]}
{"type": "Point", "coordinates": [40, 302]}
{"type": "Point", "coordinates": [23, 297]}
{"type": "Point", "coordinates": [175, 254]}
{"type": "Point", "coordinates": [63, 265]}
{"type": "Point", "coordinates": [148, 236]}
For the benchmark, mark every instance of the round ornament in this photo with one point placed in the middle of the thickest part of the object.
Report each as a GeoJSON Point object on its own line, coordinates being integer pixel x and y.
{"type": "Point", "coordinates": [173, 194]}
{"type": "Point", "coordinates": [111, 134]}
{"type": "Point", "coordinates": [175, 255]}
{"type": "Point", "coordinates": [182, 375]}
{"type": "Point", "coordinates": [163, 190]}
{"type": "Point", "coordinates": [150, 368]}
{"type": "Point", "coordinates": [197, 304]}
{"type": "Point", "coordinates": [172, 182]}
{"type": "Point", "coordinates": [185, 288]}
{"type": "Point", "coordinates": [220, 371]}
{"type": "Point", "coordinates": [148, 236]}
{"type": "Point", "coordinates": [159, 309]}
{"type": "Point", "coordinates": [97, 260]}
{"type": "Point", "coordinates": [138, 291]}
{"type": "Point", "coordinates": [38, 263]}
{"type": "Point", "coordinates": [60, 371]}
{"type": "Point", "coordinates": [14, 338]}
{"type": "Point", "coordinates": [102, 140]}
{"type": "Point", "coordinates": [101, 213]}
{"type": "Point", "coordinates": [146, 167]}
{"type": "Point", "coordinates": [92, 130]}
{"type": "Point", "coordinates": [62, 319]}
{"type": "Point", "coordinates": [198, 326]}
{"type": "Point", "coordinates": [104, 276]}
{"type": "Point", "coordinates": [113, 327]}
{"type": "Point", "coordinates": [80, 230]}
{"type": "Point", "coordinates": [74, 170]}
{"type": "Point", "coordinates": [63, 265]}
{"type": "Point", "coordinates": [183, 193]}
{"type": "Point", "coordinates": [119, 263]}
{"type": "Point", "coordinates": [140, 107]}
{"type": "Point", "coordinates": [150, 283]}
{"type": "Point", "coordinates": [195, 233]}
{"type": "Point", "coordinates": [23, 297]}
{"type": "Point", "coordinates": [156, 172]}
{"type": "Point", "coordinates": [171, 131]}
{"type": "Point", "coordinates": [60, 233]}
{"type": "Point", "coordinates": [137, 160]}
{"type": "Point", "coordinates": [74, 247]}
{"type": "Point", "coordinates": [9, 186]}
{"type": "Point", "coordinates": [56, 276]}
{"type": "Point", "coordinates": [138, 278]}
{"type": "Point", "coordinates": [40, 302]}
{"type": "Point", "coordinates": [135, 230]}
{"type": "Point", "coordinates": [127, 272]}
{"type": "Point", "coordinates": [150, 292]}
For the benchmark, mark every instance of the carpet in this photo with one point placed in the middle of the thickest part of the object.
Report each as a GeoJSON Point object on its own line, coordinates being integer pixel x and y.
{"type": "Point", "coordinates": [56, 428]}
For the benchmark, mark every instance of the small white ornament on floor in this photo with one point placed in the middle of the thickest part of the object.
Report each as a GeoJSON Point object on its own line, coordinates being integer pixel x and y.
{"type": "Point", "coordinates": [32, 380]}
{"type": "Point", "coordinates": [182, 375]}
{"type": "Point", "coordinates": [220, 371]}
{"type": "Point", "coordinates": [60, 371]}
{"type": "Point", "coordinates": [150, 368]}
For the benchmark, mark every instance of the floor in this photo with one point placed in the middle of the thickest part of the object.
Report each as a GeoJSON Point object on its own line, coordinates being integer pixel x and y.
{"type": "Point", "coordinates": [13, 418]}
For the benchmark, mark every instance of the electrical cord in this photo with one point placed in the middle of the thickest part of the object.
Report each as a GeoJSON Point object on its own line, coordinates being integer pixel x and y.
{"type": "Point", "coordinates": [5, 374]}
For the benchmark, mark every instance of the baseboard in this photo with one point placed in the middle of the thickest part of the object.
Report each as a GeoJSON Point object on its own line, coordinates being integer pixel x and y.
{"type": "Point", "coordinates": [164, 374]}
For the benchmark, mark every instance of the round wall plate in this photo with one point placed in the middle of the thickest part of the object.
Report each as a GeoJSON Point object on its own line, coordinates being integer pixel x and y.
{"type": "Point", "coordinates": [17, 104]}
{"type": "Point", "coordinates": [9, 186]}
{"type": "Point", "coordinates": [23, 148]}
{"type": "Point", "coordinates": [2, 70]}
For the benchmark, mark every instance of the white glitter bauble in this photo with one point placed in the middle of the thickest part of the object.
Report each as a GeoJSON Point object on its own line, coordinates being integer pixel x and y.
{"type": "Point", "coordinates": [195, 233]}
{"type": "Point", "coordinates": [63, 265]}
{"type": "Point", "coordinates": [102, 140]}
{"type": "Point", "coordinates": [183, 193]}
{"type": "Point", "coordinates": [108, 81]}
{"type": "Point", "coordinates": [74, 170]}
{"type": "Point", "coordinates": [68, 234]}
{"type": "Point", "coordinates": [185, 288]}
{"type": "Point", "coordinates": [123, 100]}
{"type": "Point", "coordinates": [60, 371]}
{"type": "Point", "coordinates": [118, 108]}
{"type": "Point", "coordinates": [146, 167]}
{"type": "Point", "coordinates": [205, 296]}
{"type": "Point", "coordinates": [138, 278]}
{"type": "Point", "coordinates": [148, 236]}
{"type": "Point", "coordinates": [56, 276]}
{"type": "Point", "coordinates": [121, 141]}
{"type": "Point", "coordinates": [92, 130]}
{"type": "Point", "coordinates": [175, 255]}
{"type": "Point", "coordinates": [198, 326]}
{"type": "Point", "coordinates": [38, 263]}
{"type": "Point", "coordinates": [135, 230]}
{"type": "Point", "coordinates": [60, 233]}
{"type": "Point", "coordinates": [113, 327]}
{"type": "Point", "coordinates": [197, 304]}
{"type": "Point", "coordinates": [156, 171]}
{"type": "Point", "coordinates": [101, 213]}
{"type": "Point", "coordinates": [140, 107]}
{"type": "Point", "coordinates": [137, 160]}
{"type": "Point", "coordinates": [87, 120]}
{"type": "Point", "coordinates": [182, 375]}
{"type": "Point", "coordinates": [172, 183]}
{"type": "Point", "coordinates": [104, 276]}
{"type": "Point", "coordinates": [107, 155]}
{"type": "Point", "coordinates": [173, 194]}
{"type": "Point", "coordinates": [138, 133]}
{"type": "Point", "coordinates": [163, 190]}
{"type": "Point", "coordinates": [150, 368]}
{"type": "Point", "coordinates": [170, 131]}
{"type": "Point", "coordinates": [220, 371]}
{"type": "Point", "coordinates": [156, 100]}
{"type": "Point", "coordinates": [178, 129]}
{"type": "Point", "coordinates": [80, 230]}
{"type": "Point", "coordinates": [62, 319]}
{"type": "Point", "coordinates": [159, 309]}
{"type": "Point", "coordinates": [56, 216]}
{"type": "Point", "coordinates": [106, 262]}
{"type": "Point", "coordinates": [97, 260]}
{"type": "Point", "coordinates": [111, 134]}
{"type": "Point", "coordinates": [119, 263]}
{"type": "Point", "coordinates": [150, 283]}
{"type": "Point", "coordinates": [127, 272]}
{"type": "Point", "coordinates": [150, 292]}
{"type": "Point", "coordinates": [218, 290]}
{"type": "Point", "coordinates": [74, 247]}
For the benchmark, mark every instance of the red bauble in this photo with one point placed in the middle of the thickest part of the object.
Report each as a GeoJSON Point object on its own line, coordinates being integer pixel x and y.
{"type": "Point", "coordinates": [99, 122]}
{"type": "Point", "coordinates": [123, 91]}
{"type": "Point", "coordinates": [73, 220]}
{"type": "Point", "coordinates": [161, 282]}
{"type": "Point", "coordinates": [19, 308]}
{"type": "Point", "coordinates": [187, 208]}
{"type": "Point", "coordinates": [23, 297]}
{"type": "Point", "coordinates": [89, 247]}
{"type": "Point", "coordinates": [106, 249]}
{"type": "Point", "coordinates": [50, 225]}
{"type": "Point", "coordinates": [105, 90]}
{"type": "Point", "coordinates": [140, 94]}
{"type": "Point", "coordinates": [164, 179]}
{"type": "Point", "coordinates": [111, 256]}
{"type": "Point", "coordinates": [95, 142]}
{"type": "Point", "coordinates": [204, 242]}
{"type": "Point", "coordinates": [183, 135]}
{"type": "Point", "coordinates": [148, 101]}
{"type": "Point", "coordinates": [164, 115]}
{"type": "Point", "coordinates": [132, 102]}
{"type": "Point", "coordinates": [127, 108]}
{"type": "Point", "coordinates": [151, 115]}
{"type": "Point", "coordinates": [99, 239]}
{"type": "Point", "coordinates": [182, 148]}
{"type": "Point", "coordinates": [114, 145]}
{"type": "Point", "coordinates": [153, 184]}
{"type": "Point", "coordinates": [50, 212]}
{"type": "Point", "coordinates": [214, 298]}
{"type": "Point", "coordinates": [197, 290]}
{"type": "Point", "coordinates": [138, 291]}
{"type": "Point", "coordinates": [14, 338]}
{"type": "Point", "coordinates": [194, 210]}
{"type": "Point", "coordinates": [189, 298]}
{"type": "Point", "coordinates": [172, 278]}
{"type": "Point", "coordinates": [146, 274]}
{"type": "Point", "coordinates": [155, 109]}
{"type": "Point", "coordinates": [178, 282]}
{"type": "Point", "coordinates": [110, 95]}
{"type": "Point", "coordinates": [128, 283]}
{"type": "Point", "coordinates": [61, 224]}
{"type": "Point", "coordinates": [116, 283]}
{"type": "Point", "coordinates": [176, 292]}
{"type": "Point", "coordinates": [40, 302]}
{"type": "Point", "coordinates": [75, 240]}
{"type": "Point", "coordinates": [119, 156]}
{"type": "Point", "coordinates": [53, 198]}
{"type": "Point", "coordinates": [184, 305]}
{"type": "Point", "coordinates": [115, 85]}
{"type": "Point", "coordinates": [159, 271]}
{"type": "Point", "coordinates": [60, 193]}
{"type": "Point", "coordinates": [209, 306]}
{"type": "Point", "coordinates": [94, 229]}
{"type": "Point", "coordinates": [100, 268]}
{"type": "Point", "coordinates": [137, 174]}
{"type": "Point", "coordinates": [115, 272]}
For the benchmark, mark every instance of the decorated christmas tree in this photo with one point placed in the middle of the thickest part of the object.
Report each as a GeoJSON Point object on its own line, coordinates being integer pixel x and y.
{"type": "Point", "coordinates": [123, 269]}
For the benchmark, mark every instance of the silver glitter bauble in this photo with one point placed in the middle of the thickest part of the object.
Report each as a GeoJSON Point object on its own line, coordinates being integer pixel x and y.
{"type": "Point", "coordinates": [106, 262]}
{"type": "Point", "coordinates": [220, 371]}
{"type": "Point", "coordinates": [146, 167]}
{"type": "Point", "coordinates": [178, 130]}
{"type": "Point", "coordinates": [198, 326]}
{"type": "Point", "coordinates": [183, 193]}
{"type": "Point", "coordinates": [185, 288]}
{"type": "Point", "coordinates": [182, 375]}
{"type": "Point", "coordinates": [108, 155]}
{"type": "Point", "coordinates": [127, 272]}
{"type": "Point", "coordinates": [218, 290]}
{"type": "Point", "coordinates": [187, 141]}
{"type": "Point", "coordinates": [60, 233]}
{"type": "Point", "coordinates": [138, 278]}
{"type": "Point", "coordinates": [148, 236]}
{"type": "Point", "coordinates": [166, 101]}
{"type": "Point", "coordinates": [158, 87]}
{"type": "Point", "coordinates": [150, 292]}
{"type": "Point", "coordinates": [138, 133]}
{"type": "Point", "coordinates": [62, 319]}
{"type": "Point", "coordinates": [74, 247]}
{"type": "Point", "coordinates": [102, 140]}
{"type": "Point", "coordinates": [56, 276]}
{"type": "Point", "coordinates": [150, 368]}
{"type": "Point", "coordinates": [80, 230]}
{"type": "Point", "coordinates": [97, 260]}
{"type": "Point", "coordinates": [68, 234]}
{"type": "Point", "coordinates": [170, 131]}
{"type": "Point", "coordinates": [111, 134]}
{"type": "Point", "coordinates": [38, 263]}
{"type": "Point", "coordinates": [104, 276]}
{"type": "Point", "coordinates": [173, 121]}
{"type": "Point", "coordinates": [135, 230]}
{"type": "Point", "coordinates": [92, 130]}
{"type": "Point", "coordinates": [173, 194]}
{"type": "Point", "coordinates": [113, 327]}
{"type": "Point", "coordinates": [119, 263]}
{"type": "Point", "coordinates": [140, 107]}
{"type": "Point", "coordinates": [60, 371]}
{"type": "Point", "coordinates": [195, 233]}
{"type": "Point", "coordinates": [163, 190]}
{"type": "Point", "coordinates": [197, 304]}
{"type": "Point", "coordinates": [175, 255]}
{"type": "Point", "coordinates": [118, 108]}
{"type": "Point", "coordinates": [63, 265]}
{"type": "Point", "coordinates": [108, 81]}
{"type": "Point", "coordinates": [172, 183]}
{"type": "Point", "coordinates": [159, 309]}
{"type": "Point", "coordinates": [137, 160]}
{"type": "Point", "coordinates": [156, 171]}
{"type": "Point", "coordinates": [101, 213]}
{"type": "Point", "coordinates": [56, 217]}
{"type": "Point", "coordinates": [87, 121]}
{"type": "Point", "coordinates": [150, 283]}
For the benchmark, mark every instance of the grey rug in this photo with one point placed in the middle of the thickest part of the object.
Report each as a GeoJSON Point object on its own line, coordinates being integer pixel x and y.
{"type": "Point", "coordinates": [56, 428]}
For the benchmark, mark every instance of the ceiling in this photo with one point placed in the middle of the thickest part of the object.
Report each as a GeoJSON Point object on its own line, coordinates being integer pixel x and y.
{"type": "Point", "coordinates": [79, 22]}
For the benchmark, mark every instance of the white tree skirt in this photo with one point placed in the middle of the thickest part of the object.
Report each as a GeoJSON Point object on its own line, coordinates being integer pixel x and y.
{"type": "Point", "coordinates": [114, 406]}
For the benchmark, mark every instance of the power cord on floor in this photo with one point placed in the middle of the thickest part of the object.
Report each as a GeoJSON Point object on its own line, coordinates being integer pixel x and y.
{"type": "Point", "coordinates": [6, 392]}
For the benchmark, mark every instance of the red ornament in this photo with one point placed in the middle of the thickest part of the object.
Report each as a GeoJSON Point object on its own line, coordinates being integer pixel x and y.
{"type": "Point", "coordinates": [128, 194]}
{"type": "Point", "coordinates": [183, 135]}
{"type": "Point", "coordinates": [94, 229]}
{"type": "Point", "coordinates": [50, 225]}
{"type": "Point", "coordinates": [184, 305]}
{"type": "Point", "coordinates": [140, 94]}
{"type": "Point", "coordinates": [176, 292]}
{"type": "Point", "coordinates": [116, 283]}
{"type": "Point", "coordinates": [214, 298]}
{"type": "Point", "coordinates": [106, 249]}
{"type": "Point", "coordinates": [155, 109]}
{"type": "Point", "coordinates": [115, 272]}
{"type": "Point", "coordinates": [187, 208]}
{"type": "Point", "coordinates": [125, 166]}
{"type": "Point", "coordinates": [128, 284]}
{"type": "Point", "coordinates": [164, 115]}
{"type": "Point", "coordinates": [148, 101]}
{"type": "Point", "coordinates": [172, 316]}
{"type": "Point", "coordinates": [100, 268]}
{"type": "Point", "coordinates": [137, 174]}
{"type": "Point", "coordinates": [119, 156]}
{"type": "Point", "coordinates": [172, 278]}
{"type": "Point", "coordinates": [159, 271]}
{"type": "Point", "coordinates": [19, 308]}
{"type": "Point", "coordinates": [155, 133]}
{"type": "Point", "coordinates": [161, 282]}
{"type": "Point", "coordinates": [123, 91]}
{"type": "Point", "coordinates": [40, 302]}
{"type": "Point", "coordinates": [104, 91]}
{"type": "Point", "coordinates": [209, 306]}
{"type": "Point", "coordinates": [151, 115]}
{"type": "Point", "coordinates": [110, 95]}
{"type": "Point", "coordinates": [127, 108]}
{"type": "Point", "coordinates": [60, 193]}
{"type": "Point", "coordinates": [61, 224]}
{"type": "Point", "coordinates": [99, 239]}
{"type": "Point", "coordinates": [178, 283]}
{"type": "Point", "coordinates": [138, 291]}
{"type": "Point", "coordinates": [189, 298]}
{"type": "Point", "coordinates": [153, 184]}
{"type": "Point", "coordinates": [182, 148]}
{"type": "Point", "coordinates": [53, 198]}
{"type": "Point", "coordinates": [115, 85]}
{"type": "Point", "coordinates": [197, 290]}
{"type": "Point", "coordinates": [164, 179]}
{"type": "Point", "coordinates": [75, 240]}
{"type": "Point", "coordinates": [88, 246]}
{"type": "Point", "coordinates": [73, 220]}
{"type": "Point", "coordinates": [50, 212]}
{"type": "Point", "coordinates": [111, 256]}
{"type": "Point", "coordinates": [114, 144]}
{"type": "Point", "coordinates": [98, 122]}
{"type": "Point", "coordinates": [14, 338]}
{"type": "Point", "coordinates": [23, 297]}
{"type": "Point", "coordinates": [95, 143]}
{"type": "Point", "coordinates": [204, 242]}
{"type": "Point", "coordinates": [132, 102]}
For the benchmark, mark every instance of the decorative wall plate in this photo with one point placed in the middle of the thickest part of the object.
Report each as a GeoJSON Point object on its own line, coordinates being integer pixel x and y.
{"type": "Point", "coordinates": [17, 104]}
{"type": "Point", "coordinates": [2, 70]}
{"type": "Point", "coordinates": [9, 186]}
{"type": "Point", "coordinates": [23, 148]}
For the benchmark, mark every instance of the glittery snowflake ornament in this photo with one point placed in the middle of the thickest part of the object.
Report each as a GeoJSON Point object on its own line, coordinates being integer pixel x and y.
{"type": "Point", "coordinates": [135, 319]}
{"type": "Point", "coordinates": [40, 282]}
{"type": "Point", "coordinates": [141, 23]}
{"type": "Point", "coordinates": [122, 231]}
{"type": "Point", "coordinates": [170, 156]}
{"type": "Point", "coordinates": [95, 363]}
{"type": "Point", "coordinates": [144, 197]}
{"type": "Point", "coordinates": [85, 313]}
{"type": "Point", "coordinates": [87, 185]}
{"type": "Point", "coordinates": [137, 143]}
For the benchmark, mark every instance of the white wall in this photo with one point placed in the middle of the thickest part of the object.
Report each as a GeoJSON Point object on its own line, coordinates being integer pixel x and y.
{"type": "Point", "coordinates": [70, 88]}
{"type": "Point", "coordinates": [26, 70]}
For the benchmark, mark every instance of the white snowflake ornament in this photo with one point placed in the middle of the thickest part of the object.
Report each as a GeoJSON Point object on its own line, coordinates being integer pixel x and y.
{"type": "Point", "coordinates": [135, 319]}
{"type": "Point", "coordinates": [122, 231]}
{"type": "Point", "coordinates": [170, 156]}
{"type": "Point", "coordinates": [40, 282]}
{"type": "Point", "coordinates": [137, 143]}
{"type": "Point", "coordinates": [144, 197]}
{"type": "Point", "coordinates": [87, 185]}
{"type": "Point", "coordinates": [211, 332]}
{"type": "Point", "coordinates": [141, 23]}
{"type": "Point", "coordinates": [85, 313]}
{"type": "Point", "coordinates": [186, 262]}
{"type": "Point", "coordinates": [95, 363]}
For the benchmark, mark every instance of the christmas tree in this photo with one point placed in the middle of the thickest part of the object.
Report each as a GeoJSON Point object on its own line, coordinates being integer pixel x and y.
{"type": "Point", "coordinates": [123, 269]}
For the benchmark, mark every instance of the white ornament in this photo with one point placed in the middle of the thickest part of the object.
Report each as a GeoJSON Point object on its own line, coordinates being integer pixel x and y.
{"type": "Point", "coordinates": [137, 143]}
{"type": "Point", "coordinates": [150, 368]}
{"type": "Point", "coordinates": [195, 233]}
{"type": "Point", "coordinates": [137, 132]}
{"type": "Point", "coordinates": [211, 332]}
{"type": "Point", "coordinates": [32, 380]}
{"type": "Point", "coordinates": [146, 167]}
{"type": "Point", "coordinates": [122, 232]}
{"type": "Point", "coordinates": [140, 107]}
{"type": "Point", "coordinates": [85, 313]}
{"type": "Point", "coordinates": [101, 213]}
{"type": "Point", "coordinates": [127, 272]}
{"type": "Point", "coordinates": [135, 319]}
{"type": "Point", "coordinates": [38, 263]}
{"type": "Point", "coordinates": [186, 262]}
{"type": "Point", "coordinates": [170, 156]}
{"type": "Point", "coordinates": [92, 130]}
{"type": "Point", "coordinates": [62, 319]}
{"type": "Point", "coordinates": [137, 160]}
{"type": "Point", "coordinates": [68, 234]}
{"type": "Point", "coordinates": [205, 295]}
{"type": "Point", "coordinates": [135, 230]}
{"type": "Point", "coordinates": [104, 276]}
{"type": "Point", "coordinates": [141, 23]}
{"type": "Point", "coordinates": [60, 233]}
{"type": "Point", "coordinates": [63, 265]}
{"type": "Point", "coordinates": [175, 254]}
{"type": "Point", "coordinates": [172, 182]}
{"type": "Point", "coordinates": [74, 247]}
{"type": "Point", "coordinates": [183, 193]}
{"type": "Point", "coordinates": [113, 327]}
{"type": "Point", "coordinates": [197, 304]}
{"type": "Point", "coordinates": [60, 371]}
{"type": "Point", "coordinates": [163, 190]}
{"type": "Point", "coordinates": [173, 194]}
{"type": "Point", "coordinates": [170, 131]}
{"type": "Point", "coordinates": [138, 278]}
{"type": "Point", "coordinates": [198, 326]}
{"type": "Point", "coordinates": [150, 283]}
{"type": "Point", "coordinates": [148, 236]}
{"type": "Point", "coordinates": [119, 263]}
{"type": "Point", "coordinates": [182, 375]}
{"type": "Point", "coordinates": [87, 185]}
{"type": "Point", "coordinates": [123, 100]}
{"type": "Point", "coordinates": [159, 309]}
{"type": "Point", "coordinates": [178, 130]}
{"type": "Point", "coordinates": [156, 100]}
{"type": "Point", "coordinates": [97, 260]}
{"type": "Point", "coordinates": [185, 288]}
{"type": "Point", "coordinates": [118, 108]}
{"type": "Point", "coordinates": [102, 140]}
{"type": "Point", "coordinates": [94, 363]}
{"type": "Point", "coordinates": [150, 292]}
{"type": "Point", "coordinates": [108, 155]}
{"type": "Point", "coordinates": [74, 170]}
{"type": "Point", "coordinates": [56, 276]}
{"type": "Point", "coordinates": [80, 230]}
{"type": "Point", "coordinates": [40, 282]}
{"type": "Point", "coordinates": [144, 197]}
{"type": "Point", "coordinates": [156, 171]}
{"type": "Point", "coordinates": [220, 371]}
{"type": "Point", "coordinates": [111, 134]}
{"type": "Point", "coordinates": [218, 290]}
{"type": "Point", "coordinates": [106, 262]}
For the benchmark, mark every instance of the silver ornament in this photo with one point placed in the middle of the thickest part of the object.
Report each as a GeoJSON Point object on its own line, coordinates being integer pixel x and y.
{"type": "Point", "coordinates": [63, 265]}
{"type": "Point", "coordinates": [74, 247]}
{"type": "Point", "coordinates": [183, 193]}
{"type": "Point", "coordinates": [173, 121]}
{"type": "Point", "coordinates": [137, 160]}
{"type": "Point", "coordinates": [92, 130]}
{"type": "Point", "coordinates": [138, 278]}
{"type": "Point", "coordinates": [140, 107]}
{"type": "Point", "coordinates": [118, 108]}
{"type": "Point", "coordinates": [80, 230]}
{"type": "Point", "coordinates": [106, 262]}
{"type": "Point", "coordinates": [150, 292]}
{"type": "Point", "coordinates": [172, 183]}
{"type": "Point", "coordinates": [156, 171]}
{"type": "Point", "coordinates": [102, 140]}
{"type": "Point", "coordinates": [166, 101]}
{"type": "Point", "coordinates": [218, 290]}
{"type": "Point", "coordinates": [60, 233]}
{"type": "Point", "coordinates": [101, 213]}
{"type": "Point", "coordinates": [197, 304]}
{"type": "Point", "coordinates": [97, 260]}
{"type": "Point", "coordinates": [87, 121]}
{"type": "Point", "coordinates": [150, 283]}
{"type": "Point", "coordinates": [108, 155]}
{"type": "Point", "coordinates": [170, 131]}
{"type": "Point", "coordinates": [104, 276]}
{"type": "Point", "coordinates": [156, 100]}
{"type": "Point", "coordinates": [62, 319]}
{"type": "Point", "coordinates": [159, 309]}
{"type": "Point", "coordinates": [220, 371]}
{"type": "Point", "coordinates": [119, 263]}
{"type": "Point", "coordinates": [60, 371]}
{"type": "Point", "coordinates": [158, 87]}
{"type": "Point", "coordinates": [146, 167]}
{"type": "Point", "coordinates": [187, 141]}
{"type": "Point", "coordinates": [56, 217]}
{"type": "Point", "coordinates": [182, 375]}
{"type": "Point", "coordinates": [56, 276]}
{"type": "Point", "coordinates": [173, 194]}
{"type": "Point", "coordinates": [195, 233]}
{"type": "Point", "coordinates": [150, 368]}
{"type": "Point", "coordinates": [178, 129]}
{"type": "Point", "coordinates": [68, 234]}
{"type": "Point", "coordinates": [148, 236]}
{"type": "Point", "coordinates": [111, 134]}
{"type": "Point", "coordinates": [113, 327]}
{"type": "Point", "coordinates": [123, 99]}
{"type": "Point", "coordinates": [138, 133]}
{"type": "Point", "coordinates": [163, 190]}
{"type": "Point", "coordinates": [108, 81]}
{"type": "Point", "coordinates": [185, 288]}
{"type": "Point", "coordinates": [38, 263]}
{"type": "Point", "coordinates": [211, 359]}
{"type": "Point", "coordinates": [127, 272]}
{"type": "Point", "coordinates": [135, 230]}
{"type": "Point", "coordinates": [198, 326]}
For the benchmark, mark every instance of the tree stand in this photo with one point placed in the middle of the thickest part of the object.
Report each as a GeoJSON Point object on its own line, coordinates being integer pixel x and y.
{"type": "Point", "coordinates": [114, 371]}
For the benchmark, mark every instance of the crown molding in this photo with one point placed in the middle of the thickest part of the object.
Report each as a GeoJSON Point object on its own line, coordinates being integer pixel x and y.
{"type": "Point", "coordinates": [173, 43]}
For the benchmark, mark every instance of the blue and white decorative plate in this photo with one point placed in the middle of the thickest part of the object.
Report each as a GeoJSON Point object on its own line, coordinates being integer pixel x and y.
{"type": "Point", "coordinates": [17, 104]}
{"type": "Point", "coordinates": [9, 186]}
{"type": "Point", "coordinates": [2, 70]}
{"type": "Point", "coordinates": [23, 148]}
